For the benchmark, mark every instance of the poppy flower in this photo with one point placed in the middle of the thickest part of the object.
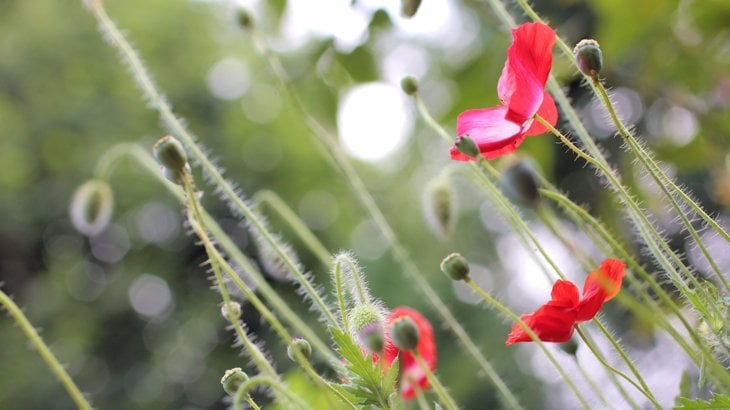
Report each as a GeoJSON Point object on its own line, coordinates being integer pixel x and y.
{"type": "Point", "coordinates": [555, 320]}
{"type": "Point", "coordinates": [412, 376]}
{"type": "Point", "coordinates": [521, 89]}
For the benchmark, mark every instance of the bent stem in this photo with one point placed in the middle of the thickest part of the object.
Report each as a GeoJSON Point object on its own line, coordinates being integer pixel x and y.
{"type": "Point", "coordinates": [439, 388]}
{"type": "Point", "coordinates": [43, 350]}
{"type": "Point", "coordinates": [255, 381]}
{"type": "Point", "coordinates": [494, 303]}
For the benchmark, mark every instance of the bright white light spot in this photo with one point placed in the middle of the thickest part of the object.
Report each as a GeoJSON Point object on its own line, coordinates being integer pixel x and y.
{"type": "Point", "coordinates": [111, 245]}
{"type": "Point", "coordinates": [325, 18]}
{"type": "Point", "coordinates": [404, 60]}
{"type": "Point", "coordinates": [228, 79]}
{"type": "Point", "coordinates": [679, 125]}
{"type": "Point", "coordinates": [149, 295]}
{"type": "Point", "coordinates": [373, 120]}
{"type": "Point", "coordinates": [629, 108]}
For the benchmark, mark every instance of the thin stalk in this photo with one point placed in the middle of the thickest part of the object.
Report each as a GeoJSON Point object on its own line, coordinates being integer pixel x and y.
{"type": "Point", "coordinates": [341, 296]}
{"type": "Point", "coordinates": [439, 388]}
{"type": "Point", "coordinates": [494, 303]}
{"type": "Point", "coordinates": [255, 381]}
{"type": "Point", "coordinates": [43, 350]}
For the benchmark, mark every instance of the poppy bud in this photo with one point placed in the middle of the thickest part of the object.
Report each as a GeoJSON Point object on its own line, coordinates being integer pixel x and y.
{"type": "Point", "coordinates": [233, 379]}
{"type": "Point", "coordinates": [367, 325]}
{"type": "Point", "coordinates": [467, 146]}
{"type": "Point", "coordinates": [404, 333]}
{"type": "Point", "coordinates": [91, 207]}
{"type": "Point", "coordinates": [570, 347]}
{"type": "Point", "coordinates": [299, 345]}
{"type": "Point", "coordinates": [589, 58]}
{"type": "Point", "coordinates": [231, 311]}
{"type": "Point", "coordinates": [439, 206]}
{"type": "Point", "coordinates": [244, 18]}
{"type": "Point", "coordinates": [409, 85]}
{"type": "Point", "coordinates": [170, 153]}
{"type": "Point", "coordinates": [408, 8]}
{"type": "Point", "coordinates": [455, 267]}
{"type": "Point", "coordinates": [520, 182]}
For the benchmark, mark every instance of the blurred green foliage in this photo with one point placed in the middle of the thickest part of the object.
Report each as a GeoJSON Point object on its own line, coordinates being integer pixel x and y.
{"type": "Point", "coordinates": [65, 99]}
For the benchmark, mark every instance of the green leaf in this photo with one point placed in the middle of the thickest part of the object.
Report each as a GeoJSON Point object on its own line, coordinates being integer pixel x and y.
{"type": "Point", "coordinates": [685, 387]}
{"type": "Point", "coordinates": [718, 401]}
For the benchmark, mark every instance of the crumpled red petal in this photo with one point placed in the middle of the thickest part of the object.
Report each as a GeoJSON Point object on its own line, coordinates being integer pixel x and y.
{"type": "Point", "coordinates": [601, 285]}
{"type": "Point", "coordinates": [553, 321]}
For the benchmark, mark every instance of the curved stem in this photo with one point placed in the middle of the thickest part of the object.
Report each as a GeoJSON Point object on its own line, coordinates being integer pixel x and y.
{"type": "Point", "coordinates": [337, 271]}
{"type": "Point", "coordinates": [43, 350]}
{"type": "Point", "coordinates": [439, 388]}
{"type": "Point", "coordinates": [255, 381]}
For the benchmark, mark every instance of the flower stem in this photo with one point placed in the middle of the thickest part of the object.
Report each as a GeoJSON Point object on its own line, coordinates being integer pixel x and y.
{"type": "Point", "coordinates": [249, 384]}
{"type": "Point", "coordinates": [43, 350]}
{"type": "Point", "coordinates": [494, 303]}
{"type": "Point", "coordinates": [439, 388]}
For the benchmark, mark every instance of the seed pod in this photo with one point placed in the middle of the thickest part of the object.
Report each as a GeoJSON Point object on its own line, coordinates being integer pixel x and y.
{"type": "Point", "coordinates": [299, 345]}
{"type": "Point", "coordinates": [404, 333]}
{"type": "Point", "coordinates": [91, 207]}
{"type": "Point", "coordinates": [170, 153]}
{"type": "Point", "coordinates": [409, 85]}
{"type": "Point", "coordinates": [455, 266]}
{"type": "Point", "coordinates": [233, 379]}
{"type": "Point", "coordinates": [467, 146]}
{"type": "Point", "coordinates": [589, 58]}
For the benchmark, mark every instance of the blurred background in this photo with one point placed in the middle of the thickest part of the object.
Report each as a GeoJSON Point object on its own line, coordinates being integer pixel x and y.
{"type": "Point", "coordinates": [130, 311]}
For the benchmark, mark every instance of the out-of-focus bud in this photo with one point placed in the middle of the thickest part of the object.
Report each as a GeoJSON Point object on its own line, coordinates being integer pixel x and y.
{"type": "Point", "coordinates": [245, 19]}
{"type": "Point", "coordinates": [408, 8]}
{"type": "Point", "coordinates": [520, 182]}
{"type": "Point", "coordinates": [299, 345]}
{"type": "Point", "coordinates": [170, 153]}
{"type": "Point", "coordinates": [404, 333]}
{"type": "Point", "coordinates": [91, 207]}
{"type": "Point", "coordinates": [570, 347]}
{"type": "Point", "coordinates": [409, 85]}
{"type": "Point", "coordinates": [231, 311]}
{"type": "Point", "coordinates": [589, 58]}
{"type": "Point", "coordinates": [467, 146]}
{"type": "Point", "coordinates": [232, 380]}
{"type": "Point", "coordinates": [439, 206]}
{"type": "Point", "coordinates": [455, 266]}
{"type": "Point", "coordinates": [368, 327]}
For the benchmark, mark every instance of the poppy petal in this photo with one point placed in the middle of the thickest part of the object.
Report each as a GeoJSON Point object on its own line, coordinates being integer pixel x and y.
{"type": "Point", "coordinates": [488, 128]}
{"type": "Point", "coordinates": [548, 111]}
{"type": "Point", "coordinates": [550, 323]}
{"type": "Point", "coordinates": [601, 285]}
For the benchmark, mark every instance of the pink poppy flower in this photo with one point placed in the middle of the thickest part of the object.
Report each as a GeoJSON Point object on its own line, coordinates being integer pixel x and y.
{"type": "Point", "coordinates": [521, 88]}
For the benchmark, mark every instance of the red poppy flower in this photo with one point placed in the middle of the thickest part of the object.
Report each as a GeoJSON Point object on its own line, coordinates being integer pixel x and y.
{"type": "Point", "coordinates": [521, 89]}
{"type": "Point", "coordinates": [411, 372]}
{"type": "Point", "coordinates": [555, 320]}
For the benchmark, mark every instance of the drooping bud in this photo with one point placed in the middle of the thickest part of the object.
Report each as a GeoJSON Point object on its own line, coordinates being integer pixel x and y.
{"type": "Point", "coordinates": [467, 146]}
{"type": "Point", "coordinates": [570, 347]}
{"type": "Point", "coordinates": [439, 206]}
{"type": "Point", "coordinates": [245, 19]}
{"type": "Point", "coordinates": [409, 85]}
{"type": "Point", "coordinates": [299, 345]}
{"type": "Point", "coordinates": [455, 266]}
{"type": "Point", "coordinates": [170, 153]}
{"type": "Point", "coordinates": [408, 8]}
{"type": "Point", "coordinates": [368, 327]}
{"type": "Point", "coordinates": [589, 58]}
{"type": "Point", "coordinates": [91, 207]}
{"type": "Point", "coordinates": [520, 182]}
{"type": "Point", "coordinates": [404, 333]}
{"type": "Point", "coordinates": [233, 379]}
{"type": "Point", "coordinates": [231, 311]}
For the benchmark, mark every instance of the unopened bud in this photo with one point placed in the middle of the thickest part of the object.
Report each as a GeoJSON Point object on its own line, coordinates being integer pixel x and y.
{"type": "Point", "coordinates": [299, 345]}
{"type": "Point", "coordinates": [409, 85]}
{"type": "Point", "coordinates": [589, 58]}
{"type": "Point", "coordinates": [439, 206]}
{"type": "Point", "coordinates": [245, 19]}
{"type": "Point", "coordinates": [233, 379]}
{"type": "Point", "coordinates": [408, 8]}
{"type": "Point", "coordinates": [174, 176]}
{"type": "Point", "coordinates": [520, 182]}
{"type": "Point", "coordinates": [455, 266]}
{"type": "Point", "coordinates": [570, 347]}
{"type": "Point", "coordinates": [91, 207]}
{"type": "Point", "coordinates": [170, 153]}
{"type": "Point", "coordinates": [231, 311]}
{"type": "Point", "coordinates": [467, 146]}
{"type": "Point", "coordinates": [404, 333]}
{"type": "Point", "coordinates": [368, 327]}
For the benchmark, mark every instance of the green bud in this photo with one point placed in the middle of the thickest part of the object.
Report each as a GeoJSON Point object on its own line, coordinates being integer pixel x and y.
{"type": "Point", "coordinates": [455, 266]}
{"type": "Point", "coordinates": [299, 345]}
{"type": "Point", "coordinates": [233, 379]}
{"type": "Point", "coordinates": [409, 85]}
{"type": "Point", "coordinates": [570, 347]}
{"type": "Point", "coordinates": [440, 206]}
{"type": "Point", "coordinates": [404, 333]}
{"type": "Point", "coordinates": [589, 58]}
{"type": "Point", "coordinates": [91, 207]}
{"type": "Point", "coordinates": [408, 8]}
{"type": "Point", "coordinates": [231, 311]}
{"type": "Point", "coordinates": [170, 153]}
{"type": "Point", "coordinates": [467, 146]}
{"type": "Point", "coordinates": [368, 327]}
{"type": "Point", "coordinates": [245, 19]}
{"type": "Point", "coordinates": [520, 182]}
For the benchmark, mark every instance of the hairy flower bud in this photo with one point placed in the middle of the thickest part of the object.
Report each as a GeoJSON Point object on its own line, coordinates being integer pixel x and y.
{"type": "Point", "coordinates": [409, 85]}
{"type": "Point", "coordinates": [232, 380]}
{"type": "Point", "coordinates": [467, 146]}
{"type": "Point", "coordinates": [439, 206]}
{"type": "Point", "coordinates": [170, 153]}
{"type": "Point", "coordinates": [231, 311]}
{"type": "Point", "coordinates": [404, 333]}
{"type": "Point", "coordinates": [299, 345]}
{"type": "Point", "coordinates": [520, 182]}
{"type": "Point", "coordinates": [91, 207]}
{"type": "Point", "coordinates": [589, 58]}
{"type": "Point", "coordinates": [368, 327]}
{"type": "Point", "coordinates": [455, 267]}
{"type": "Point", "coordinates": [408, 8]}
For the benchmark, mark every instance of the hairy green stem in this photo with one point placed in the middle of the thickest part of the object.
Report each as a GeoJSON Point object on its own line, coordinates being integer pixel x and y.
{"type": "Point", "coordinates": [439, 388]}
{"type": "Point", "coordinates": [255, 381]}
